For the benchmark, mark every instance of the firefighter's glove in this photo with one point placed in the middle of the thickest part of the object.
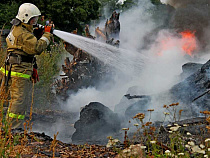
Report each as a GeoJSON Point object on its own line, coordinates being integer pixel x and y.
{"type": "Point", "coordinates": [35, 76]}
{"type": "Point", "coordinates": [38, 26]}
{"type": "Point", "coordinates": [38, 31]}
{"type": "Point", "coordinates": [48, 29]}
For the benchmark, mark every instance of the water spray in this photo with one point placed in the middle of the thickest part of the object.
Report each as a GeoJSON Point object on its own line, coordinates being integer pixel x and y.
{"type": "Point", "coordinates": [122, 59]}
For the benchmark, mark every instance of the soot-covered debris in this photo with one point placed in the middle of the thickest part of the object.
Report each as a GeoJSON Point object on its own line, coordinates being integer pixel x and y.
{"type": "Point", "coordinates": [95, 124]}
{"type": "Point", "coordinates": [39, 145]}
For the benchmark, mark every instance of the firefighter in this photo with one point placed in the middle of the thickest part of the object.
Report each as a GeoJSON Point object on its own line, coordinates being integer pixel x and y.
{"type": "Point", "coordinates": [20, 68]}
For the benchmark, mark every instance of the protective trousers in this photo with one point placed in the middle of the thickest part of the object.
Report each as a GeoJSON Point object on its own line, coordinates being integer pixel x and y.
{"type": "Point", "coordinates": [18, 92]}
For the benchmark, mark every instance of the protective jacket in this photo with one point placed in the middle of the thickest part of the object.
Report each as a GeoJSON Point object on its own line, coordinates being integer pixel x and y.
{"type": "Point", "coordinates": [23, 42]}
{"type": "Point", "coordinates": [22, 46]}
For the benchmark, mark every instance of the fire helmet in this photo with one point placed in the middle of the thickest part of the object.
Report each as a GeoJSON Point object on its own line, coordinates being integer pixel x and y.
{"type": "Point", "coordinates": [27, 11]}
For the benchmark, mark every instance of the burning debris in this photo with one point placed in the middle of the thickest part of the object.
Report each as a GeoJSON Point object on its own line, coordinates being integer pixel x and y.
{"type": "Point", "coordinates": [79, 72]}
{"type": "Point", "coordinates": [191, 17]}
{"type": "Point", "coordinates": [194, 79]}
{"type": "Point", "coordinates": [111, 30]}
{"type": "Point", "coordinates": [85, 70]}
{"type": "Point", "coordinates": [189, 42]}
{"type": "Point", "coordinates": [97, 121]}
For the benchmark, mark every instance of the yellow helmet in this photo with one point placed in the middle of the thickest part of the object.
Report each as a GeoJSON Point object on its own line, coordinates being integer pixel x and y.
{"type": "Point", "coordinates": [27, 11]}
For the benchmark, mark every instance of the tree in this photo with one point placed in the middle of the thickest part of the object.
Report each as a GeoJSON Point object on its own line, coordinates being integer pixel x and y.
{"type": "Point", "coordinates": [156, 2]}
{"type": "Point", "coordinates": [66, 14]}
{"type": "Point", "coordinates": [70, 14]}
{"type": "Point", "coordinates": [7, 12]}
{"type": "Point", "coordinates": [129, 3]}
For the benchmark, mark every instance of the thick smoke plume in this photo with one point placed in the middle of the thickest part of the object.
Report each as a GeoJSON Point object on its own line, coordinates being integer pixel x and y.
{"type": "Point", "coordinates": [191, 15]}
{"type": "Point", "coordinates": [164, 51]}
{"type": "Point", "coordinates": [165, 54]}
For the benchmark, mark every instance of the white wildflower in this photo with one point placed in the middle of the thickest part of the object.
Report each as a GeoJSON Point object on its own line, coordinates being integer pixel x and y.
{"type": "Point", "coordinates": [191, 143]}
{"type": "Point", "coordinates": [202, 152]}
{"type": "Point", "coordinates": [143, 147]}
{"type": "Point", "coordinates": [108, 145]}
{"type": "Point", "coordinates": [208, 149]}
{"type": "Point", "coordinates": [135, 153]}
{"type": "Point", "coordinates": [115, 141]}
{"type": "Point", "coordinates": [196, 149]}
{"type": "Point", "coordinates": [167, 152]}
{"type": "Point", "coordinates": [180, 153]}
{"type": "Point", "coordinates": [189, 134]}
{"type": "Point", "coordinates": [169, 125]}
{"type": "Point", "coordinates": [174, 128]}
{"type": "Point", "coordinates": [126, 150]}
{"type": "Point", "coordinates": [205, 156]}
{"type": "Point", "coordinates": [176, 124]}
{"type": "Point", "coordinates": [166, 113]}
{"type": "Point", "coordinates": [138, 145]}
{"type": "Point", "coordinates": [112, 142]}
{"type": "Point", "coordinates": [131, 146]}
{"type": "Point", "coordinates": [185, 125]}
{"type": "Point", "coordinates": [170, 131]}
{"type": "Point", "coordinates": [202, 146]}
{"type": "Point", "coordinates": [153, 142]}
{"type": "Point", "coordinates": [187, 146]}
{"type": "Point", "coordinates": [207, 140]}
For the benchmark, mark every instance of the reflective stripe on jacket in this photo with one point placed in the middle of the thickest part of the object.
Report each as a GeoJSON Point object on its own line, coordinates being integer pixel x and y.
{"type": "Point", "coordinates": [16, 116]}
{"type": "Point", "coordinates": [12, 115]}
{"type": "Point", "coordinates": [15, 74]}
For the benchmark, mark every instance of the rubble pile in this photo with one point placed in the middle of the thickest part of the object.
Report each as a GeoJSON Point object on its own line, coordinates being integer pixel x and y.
{"type": "Point", "coordinates": [195, 80]}
{"type": "Point", "coordinates": [111, 30]}
{"type": "Point", "coordinates": [195, 126]}
{"type": "Point", "coordinates": [36, 144]}
{"type": "Point", "coordinates": [80, 73]}
{"type": "Point", "coordinates": [85, 70]}
{"type": "Point", "coordinates": [95, 124]}
{"type": "Point", "coordinates": [193, 86]}
{"type": "Point", "coordinates": [41, 145]}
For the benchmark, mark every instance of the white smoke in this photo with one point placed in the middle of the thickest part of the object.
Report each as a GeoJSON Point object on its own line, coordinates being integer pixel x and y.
{"type": "Point", "coordinates": [160, 72]}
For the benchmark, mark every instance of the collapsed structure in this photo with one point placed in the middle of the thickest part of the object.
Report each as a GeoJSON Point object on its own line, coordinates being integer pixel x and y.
{"type": "Point", "coordinates": [85, 70]}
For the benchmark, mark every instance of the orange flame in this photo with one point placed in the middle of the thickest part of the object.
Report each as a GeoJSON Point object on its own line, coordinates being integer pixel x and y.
{"type": "Point", "coordinates": [189, 42]}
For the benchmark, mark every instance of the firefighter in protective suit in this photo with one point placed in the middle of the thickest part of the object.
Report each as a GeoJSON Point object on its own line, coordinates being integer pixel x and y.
{"type": "Point", "coordinates": [20, 68]}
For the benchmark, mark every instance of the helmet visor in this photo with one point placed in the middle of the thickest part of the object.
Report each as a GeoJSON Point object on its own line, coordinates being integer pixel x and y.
{"type": "Point", "coordinates": [34, 20]}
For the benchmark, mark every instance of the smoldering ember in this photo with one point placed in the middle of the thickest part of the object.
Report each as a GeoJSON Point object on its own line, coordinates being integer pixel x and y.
{"type": "Point", "coordinates": [134, 83]}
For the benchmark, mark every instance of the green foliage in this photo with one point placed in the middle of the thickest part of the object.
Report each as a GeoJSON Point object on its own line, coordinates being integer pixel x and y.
{"type": "Point", "coordinates": [156, 2]}
{"type": "Point", "coordinates": [129, 3]}
{"type": "Point", "coordinates": [111, 4]}
{"type": "Point", "coordinates": [48, 68]}
{"type": "Point", "coordinates": [66, 14]}
{"type": "Point", "coordinates": [7, 12]}
{"type": "Point", "coordinates": [108, 6]}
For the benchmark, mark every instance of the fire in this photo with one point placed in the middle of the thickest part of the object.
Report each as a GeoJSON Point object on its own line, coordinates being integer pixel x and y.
{"type": "Point", "coordinates": [189, 42]}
